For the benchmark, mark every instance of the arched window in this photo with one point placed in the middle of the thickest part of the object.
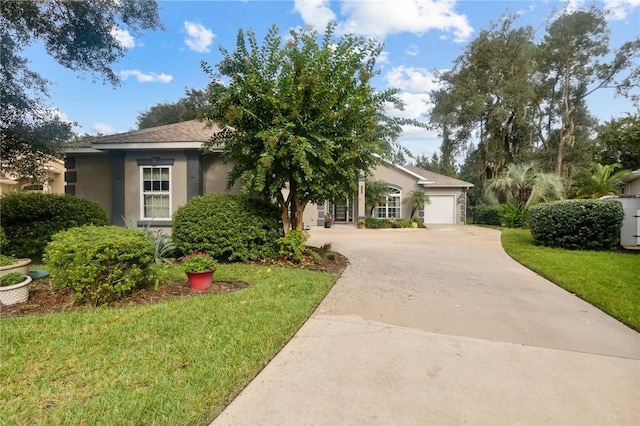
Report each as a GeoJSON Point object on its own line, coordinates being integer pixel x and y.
{"type": "Point", "coordinates": [393, 205]}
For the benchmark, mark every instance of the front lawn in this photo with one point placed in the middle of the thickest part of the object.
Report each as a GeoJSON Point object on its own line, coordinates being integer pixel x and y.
{"type": "Point", "coordinates": [607, 280]}
{"type": "Point", "coordinates": [172, 363]}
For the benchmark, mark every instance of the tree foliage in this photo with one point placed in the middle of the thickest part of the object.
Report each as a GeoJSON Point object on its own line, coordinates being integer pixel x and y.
{"type": "Point", "coordinates": [599, 181]}
{"type": "Point", "coordinates": [301, 119]}
{"type": "Point", "coordinates": [514, 96]}
{"type": "Point", "coordinates": [417, 200]}
{"type": "Point", "coordinates": [79, 35]}
{"type": "Point", "coordinates": [375, 194]}
{"type": "Point", "coordinates": [524, 184]}
{"type": "Point", "coordinates": [618, 141]}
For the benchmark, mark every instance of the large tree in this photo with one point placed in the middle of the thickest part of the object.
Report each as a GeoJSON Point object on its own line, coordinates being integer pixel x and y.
{"type": "Point", "coordinates": [618, 141]}
{"type": "Point", "coordinates": [79, 35]}
{"type": "Point", "coordinates": [301, 119]}
{"type": "Point", "coordinates": [488, 97]}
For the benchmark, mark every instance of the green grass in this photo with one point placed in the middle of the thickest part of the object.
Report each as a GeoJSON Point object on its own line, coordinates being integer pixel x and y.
{"type": "Point", "coordinates": [608, 280]}
{"type": "Point", "coordinates": [173, 363]}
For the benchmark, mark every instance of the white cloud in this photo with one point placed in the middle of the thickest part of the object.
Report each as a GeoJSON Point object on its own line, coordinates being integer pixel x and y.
{"type": "Point", "coordinates": [618, 9]}
{"type": "Point", "coordinates": [315, 12]}
{"type": "Point", "coordinates": [416, 106]}
{"type": "Point", "coordinates": [123, 37]}
{"type": "Point", "coordinates": [198, 38]}
{"type": "Point", "coordinates": [412, 50]}
{"type": "Point", "coordinates": [381, 18]}
{"type": "Point", "coordinates": [103, 128]}
{"type": "Point", "coordinates": [416, 80]}
{"type": "Point", "coordinates": [151, 77]}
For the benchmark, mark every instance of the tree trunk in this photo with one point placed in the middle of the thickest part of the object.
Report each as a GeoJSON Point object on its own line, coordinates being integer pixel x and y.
{"type": "Point", "coordinates": [284, 212]}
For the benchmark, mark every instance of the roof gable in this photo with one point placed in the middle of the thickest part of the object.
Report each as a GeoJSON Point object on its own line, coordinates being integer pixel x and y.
{"type": "Point", "coordinates": [428, 178]}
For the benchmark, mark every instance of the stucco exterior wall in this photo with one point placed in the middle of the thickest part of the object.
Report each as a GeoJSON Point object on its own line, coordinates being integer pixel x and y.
{"type": "Point", "coordinates": [215, 175]}
{"type": "Point", "coordinates": [92, 178]}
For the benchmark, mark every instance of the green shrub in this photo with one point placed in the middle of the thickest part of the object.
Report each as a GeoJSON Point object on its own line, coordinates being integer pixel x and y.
{"type": "Point", "coordinates": [375, 223]}
{"type": "Point", "coordinates": [11, 278]}
{"type": "Point", "coordinates": [4, 241]}
{"type": "Point", "coordinates": [577, 224]}
{"type": "Point", "coordinates": [227, 227]}
{"type": "Point", "coordinates": [513, 215]}
{"type": "Point", "coordinates": [99, 263]}
{"type": "Point", "coordinates": [30, 219]}
{"type": "Point", "coordinates": [486, 214]}
{"type": "Point", "coordinates": [292, 245]}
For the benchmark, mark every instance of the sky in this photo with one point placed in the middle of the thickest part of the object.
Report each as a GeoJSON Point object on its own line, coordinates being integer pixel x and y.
{"type": "Point", "coordinates": [421, 37]}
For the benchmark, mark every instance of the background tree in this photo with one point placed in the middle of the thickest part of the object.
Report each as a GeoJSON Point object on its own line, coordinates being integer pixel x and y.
{"type": "Point", "coordinates": [618, 141]}
{"type": "Point", "coordinates": [190, 107]}
{"type": "Point", "coordinates": [375, 194]}
{"type": "Point", "coordinates": [417, 200]}
{"type": "Point", "coordinates": [77, 34]}
{"type": "Point", "coordinates": [599, 181]}
{"type": "Point", "coordinates": [302, 120]}
{"type": "Point", "coordinates": [524, 184]}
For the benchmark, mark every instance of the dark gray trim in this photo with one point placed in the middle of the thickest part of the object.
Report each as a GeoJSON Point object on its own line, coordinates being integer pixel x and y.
{"type": "Point", "coordinates": [155, 223]}
{"type": "Point", "coordinates": [117, 187]}
{"type": "Point", "coordinates": [70, 189]}
{"type": "Point", "coordinates": [155, 161]}
{"type": "Point", "coordinates": [194, 173]}
{"type": "Point", "coordinates": [70, 177]}
{"type": "Point", "coordinates": [70, 162]}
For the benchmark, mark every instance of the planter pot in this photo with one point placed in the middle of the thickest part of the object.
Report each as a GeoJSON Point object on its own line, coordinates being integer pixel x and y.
{"type": "Point", "coordinates": [17, 293]}
{"type": "Point", "coordinates": [200, 280]}
{"type": "Point", "coordinates": [328, 224]}
{"type": "Point", "coordinates": [414, 224]}
{"type": "Point", "coordinates": [22, 266]}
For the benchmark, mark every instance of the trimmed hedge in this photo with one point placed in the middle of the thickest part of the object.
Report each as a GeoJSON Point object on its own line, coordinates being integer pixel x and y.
{"type": "Point", "coordinates": [100, 263]}
{"type": "Point", "coordinates": [30, 219]}
{"type": "Point", "coordinates": [486, 214]}
{"type": "Point", "coordinates": [577, 224]}
{"type": "Point", "coordinates": [227, 227]}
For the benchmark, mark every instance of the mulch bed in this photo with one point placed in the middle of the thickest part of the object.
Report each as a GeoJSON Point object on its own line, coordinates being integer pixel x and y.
{"type": "Point", "coordinates": [44, 300]}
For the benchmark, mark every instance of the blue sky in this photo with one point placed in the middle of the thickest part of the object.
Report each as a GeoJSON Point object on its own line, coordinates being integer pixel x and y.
{"type": "Point", "coordinates": [420, 36]}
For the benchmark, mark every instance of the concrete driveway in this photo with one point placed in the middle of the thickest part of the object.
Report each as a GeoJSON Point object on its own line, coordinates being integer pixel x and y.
{"type": "Point", "coordinates": [440, 327]}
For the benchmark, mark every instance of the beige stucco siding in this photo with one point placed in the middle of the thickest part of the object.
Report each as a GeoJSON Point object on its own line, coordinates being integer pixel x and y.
{"type": "Point", "coordinates": [93, 179]}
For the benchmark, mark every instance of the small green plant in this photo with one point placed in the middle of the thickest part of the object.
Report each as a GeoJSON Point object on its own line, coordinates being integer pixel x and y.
{"type": "Point", "coordinates": [12, 278]}
{"type": "Point", "coordinates": [292, 245]}
{"type": "Point", "coordinates": [162, 242]}
{"type": "Point", "coordinates": [198, 262]}
{"type": "Point", "coordinates": [99, 263]}
{"type": "Point", "coordinates": [374, 223]}
{"type": "Point", "coordinates": [7, 260]}
{"type": "Point", "coordinates": [513, 215]}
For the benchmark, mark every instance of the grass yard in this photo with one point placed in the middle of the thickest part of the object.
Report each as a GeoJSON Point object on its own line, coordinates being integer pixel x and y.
{"type": "Point", "coordinates": [172, 363]}
{"type": "Point", "coordinates": [607, 280]}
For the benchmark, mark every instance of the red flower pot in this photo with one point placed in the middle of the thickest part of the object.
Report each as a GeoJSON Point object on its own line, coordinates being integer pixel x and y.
{"type": "Point", "coordinates": [200, 280]}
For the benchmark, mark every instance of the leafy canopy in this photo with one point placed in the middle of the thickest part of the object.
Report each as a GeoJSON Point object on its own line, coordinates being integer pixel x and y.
{"type": "Point", "coordinates": [302, 118]}
{"type": "Point", "coordinates": [79, 35]}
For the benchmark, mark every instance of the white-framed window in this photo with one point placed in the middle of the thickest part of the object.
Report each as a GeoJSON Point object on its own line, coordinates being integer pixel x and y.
{"type": "Point", "coordinates": [392, 206]}
{"type": "Point", "coordinates": [155, 192]}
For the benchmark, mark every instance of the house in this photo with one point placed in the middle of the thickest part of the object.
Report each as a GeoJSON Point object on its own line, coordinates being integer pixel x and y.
{"type": "Point", "coordinates": [630, 199]}
{"type": "Point", "coordinates": [145, 175]}
{"type": "Point", "coordinates": [54, 183]}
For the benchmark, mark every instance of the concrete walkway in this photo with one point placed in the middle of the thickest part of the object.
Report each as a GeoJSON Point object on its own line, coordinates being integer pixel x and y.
{"type": "Point", "coordinates": [441, 327]}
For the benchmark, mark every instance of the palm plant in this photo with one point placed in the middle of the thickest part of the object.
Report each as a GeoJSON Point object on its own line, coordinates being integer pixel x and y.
{"type": "Point", "coordinates": [524, 184]}
{"type": "Point", "coordinates": [417, 200]}
{"type": "Point", "coordinates": [601, 181]}
{"type": "Point", "coordinates": [375, 194]}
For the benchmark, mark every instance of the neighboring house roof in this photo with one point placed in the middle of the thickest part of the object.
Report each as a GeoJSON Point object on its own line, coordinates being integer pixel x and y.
{"type": "Point", "coordinates": [427, 178]}
{"type": "Point", "coordinates": [187, 134]}
{"type": "Point", "coordinates": [632, 176]}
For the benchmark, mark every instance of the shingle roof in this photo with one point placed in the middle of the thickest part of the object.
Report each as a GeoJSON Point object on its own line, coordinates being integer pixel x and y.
{"type": "Point", "coordinates": [436, 178]}
{"type": "Point", "coordinates": [186, 131]}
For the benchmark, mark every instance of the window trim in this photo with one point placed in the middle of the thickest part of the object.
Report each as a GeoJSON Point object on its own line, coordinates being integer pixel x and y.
{"type": "Point", "coordinates": [385, 207]}
{"type": "Point", "coordinates": [142, 167]}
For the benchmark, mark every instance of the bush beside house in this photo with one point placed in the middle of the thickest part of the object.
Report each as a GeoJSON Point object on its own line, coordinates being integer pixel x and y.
{"type": "Point", "coordinates": [30, 219]}
{"type": "Point", "coordinates": [100, 263]}
{"type": "Point", "coordinates": [577, 224]}
{"type": "Point", "coordinates": [227, 227]}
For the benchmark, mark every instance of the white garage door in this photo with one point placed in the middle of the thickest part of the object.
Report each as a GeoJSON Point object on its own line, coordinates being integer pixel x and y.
{"type": "Point", "coordinates": [441, 210]}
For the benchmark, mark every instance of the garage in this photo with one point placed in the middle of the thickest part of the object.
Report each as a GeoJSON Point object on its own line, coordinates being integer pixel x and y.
{"type": "Point", "coordinates": [441, 210]}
